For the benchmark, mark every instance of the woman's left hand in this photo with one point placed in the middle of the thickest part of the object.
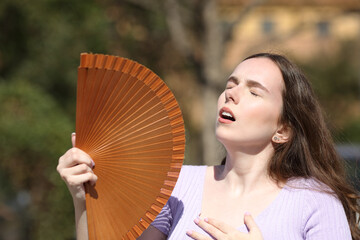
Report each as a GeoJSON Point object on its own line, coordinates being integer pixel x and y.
{"type": "Point", "coordinates": [221, 231]}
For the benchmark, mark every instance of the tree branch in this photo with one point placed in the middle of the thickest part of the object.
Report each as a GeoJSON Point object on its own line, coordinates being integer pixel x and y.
{"type": "Point", "coordinates": [177, 30]}
{"type": "Point", "coordinates": [213, 43]}
{"type": "Point", "coordinates": [150, 5]}
{"type": "Point", "coordinates": [228, 28]}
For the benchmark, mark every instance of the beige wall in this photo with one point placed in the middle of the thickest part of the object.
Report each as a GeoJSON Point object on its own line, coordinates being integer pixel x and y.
{"type": "Point", "coordinates": [300, 31]}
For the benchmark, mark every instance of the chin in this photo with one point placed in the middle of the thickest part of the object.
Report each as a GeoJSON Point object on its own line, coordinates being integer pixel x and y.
{"type": "Point", "coordinates": [225, 137]}
{"type": "Point", "coordinates": [228, 140]}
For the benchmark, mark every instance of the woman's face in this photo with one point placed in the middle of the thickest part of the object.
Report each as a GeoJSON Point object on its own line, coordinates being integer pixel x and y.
{"type": "Point", "coordinates": [249, 109]}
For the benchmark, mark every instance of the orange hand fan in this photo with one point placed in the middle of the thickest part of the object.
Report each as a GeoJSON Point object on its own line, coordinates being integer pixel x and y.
{"type": "Point", "coordinates": [129, 122]}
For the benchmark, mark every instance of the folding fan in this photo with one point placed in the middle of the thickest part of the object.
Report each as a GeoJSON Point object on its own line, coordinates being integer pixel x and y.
{"type": "Point", "coordinates": [129, 122]}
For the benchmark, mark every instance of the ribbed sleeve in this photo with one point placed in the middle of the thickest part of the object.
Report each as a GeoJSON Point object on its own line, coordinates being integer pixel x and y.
{"type": "Point", "coordinates": [163, 221]}
{"type": "Point", "coordinates": [325, 217]}
{"type": "Point", "coordinates": [184, 205]}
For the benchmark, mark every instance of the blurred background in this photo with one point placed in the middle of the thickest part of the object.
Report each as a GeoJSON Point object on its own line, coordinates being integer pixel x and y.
{"type": "Point", "coordinates": [193, 45]}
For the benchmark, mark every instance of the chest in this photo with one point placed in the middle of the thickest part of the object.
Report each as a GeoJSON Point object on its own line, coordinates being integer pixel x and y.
{"type": "Point", "coordinates": [272, 212]}
{"type": "Point", "coordinates": [231, 209]}
{"type": "Point", "coordinates": [226, 205]}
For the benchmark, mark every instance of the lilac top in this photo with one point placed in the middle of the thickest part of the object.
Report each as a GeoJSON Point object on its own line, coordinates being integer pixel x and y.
{"type": "Point", "coordinates": [298, 212]}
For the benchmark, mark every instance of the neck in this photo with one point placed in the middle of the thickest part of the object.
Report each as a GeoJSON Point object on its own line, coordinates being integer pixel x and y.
{"type": "Point", "coordinates": [246, 171]}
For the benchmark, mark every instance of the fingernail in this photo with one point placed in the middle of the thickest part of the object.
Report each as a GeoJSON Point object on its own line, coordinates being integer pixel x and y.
{"type": "Point", "coordinates": [72, 134]}
{"type": "Point", "coordinates": [247, 213]}
{"type": "Point", "coordinates": [206, 219]}
{"type": "Point", "coordinates": [197, 220]}
{"type": "Point", "coordinates": [189, 232]}
{"type": "Point", "coordinates": [92, 163]}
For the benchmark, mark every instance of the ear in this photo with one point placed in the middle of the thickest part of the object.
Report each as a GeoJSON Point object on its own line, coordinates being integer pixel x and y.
{"type": "Point", "coordinates": [283, 134]}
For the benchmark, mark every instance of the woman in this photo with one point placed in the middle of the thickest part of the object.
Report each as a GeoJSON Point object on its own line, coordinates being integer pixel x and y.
{"type": "Point", "coordinates": [281, 166]}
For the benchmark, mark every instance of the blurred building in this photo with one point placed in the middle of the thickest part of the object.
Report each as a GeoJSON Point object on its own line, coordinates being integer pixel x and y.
{"type": "Point", "coordinates": [301, 29]}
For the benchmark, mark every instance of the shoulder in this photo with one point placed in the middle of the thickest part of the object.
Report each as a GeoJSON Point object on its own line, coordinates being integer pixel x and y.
{"type": "Point", "coordinates": [316, 194]}
{"type": "Point", "coordinates": [186, 186]}
{"type": "Point", "coordinates": [191, 173]}
{"type": "Point", "coordinates": [191, 177]}
{"type": "Point", "coordinates": [322, 211]}
{"type": "Point", "coordinates": [311, 189]}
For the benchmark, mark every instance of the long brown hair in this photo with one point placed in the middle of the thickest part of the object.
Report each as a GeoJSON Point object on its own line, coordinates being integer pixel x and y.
{"type": "Point", "coordinates": [310, 153]}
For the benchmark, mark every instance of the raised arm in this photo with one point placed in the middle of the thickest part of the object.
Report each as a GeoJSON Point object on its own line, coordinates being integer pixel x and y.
{"type": "Point", "coordinates": [75, 168]}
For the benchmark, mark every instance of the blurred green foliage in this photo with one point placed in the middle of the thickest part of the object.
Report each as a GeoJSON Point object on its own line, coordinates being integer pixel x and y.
{"type": "Point", "coordinates": [32, 129]}
{"type": "Point", "coordinates": [40, 44]}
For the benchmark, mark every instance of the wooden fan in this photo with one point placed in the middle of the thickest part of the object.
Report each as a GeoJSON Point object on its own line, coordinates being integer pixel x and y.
{"type": "Point", "coordinates": [129, 122]}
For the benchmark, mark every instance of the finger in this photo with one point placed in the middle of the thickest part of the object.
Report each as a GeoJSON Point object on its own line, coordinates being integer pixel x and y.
{"type": "Point", "coordinates": [210, 229]}
{"type": "Point", "coordinates": [223, 227]}
{"type": "Point", "coordinates": [78, 169]}
{"type": "Point", "coordinates": [68, 173]}
{"type": "Point", "coordinates": [75, 156]}
{"type": "Point", "coordinates": [73, 137]}
{"type": "Point", "coordinates": [250, 224]}
{"type": "Point", "coordinates": [197, 236]}
{"type": "Point", "coordinates": [75, 180]}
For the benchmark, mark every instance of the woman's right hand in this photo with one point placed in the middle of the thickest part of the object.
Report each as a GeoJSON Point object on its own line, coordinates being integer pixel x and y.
{"type": "Point", "coordinates": [75, 168]}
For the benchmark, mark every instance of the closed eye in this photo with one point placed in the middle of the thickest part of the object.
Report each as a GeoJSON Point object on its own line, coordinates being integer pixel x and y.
{"type": "Point", "coordinates": [230, 85]}
{"type": "Point", "coordinates": [232, 82]}
{"type": "Point", "coordinates": [254, 93]}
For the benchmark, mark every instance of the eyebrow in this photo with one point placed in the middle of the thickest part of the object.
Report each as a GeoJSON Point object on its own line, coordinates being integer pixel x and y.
{"type": "Point", "coordinates": [249, 83]}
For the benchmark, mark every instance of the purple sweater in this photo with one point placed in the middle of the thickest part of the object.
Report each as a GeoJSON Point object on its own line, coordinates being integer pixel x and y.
{"type": "Point", "coordinates": [298, 212]}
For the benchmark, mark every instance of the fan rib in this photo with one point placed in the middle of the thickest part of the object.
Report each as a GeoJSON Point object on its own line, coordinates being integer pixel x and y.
{"type": "Point", "coordinates": [161, 200]}
{"type": "Point", "coordinates": [110, 61]}
{"type": "Point", "coordinates": [145, 223]}
{"type": "Point", "coordinates": [137, 230]}
{"type": "Point", "coordinates": [173, 174]}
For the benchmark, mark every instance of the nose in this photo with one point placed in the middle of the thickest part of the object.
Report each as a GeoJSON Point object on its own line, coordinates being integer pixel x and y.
{"type": "Point", "coordinates": [231, 96]}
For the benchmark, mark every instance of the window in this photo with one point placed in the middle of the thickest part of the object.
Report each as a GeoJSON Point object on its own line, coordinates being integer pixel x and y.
{"type": "Point", "coordinates": [323, 28]}
{"type": "Point", "coordinates": [268, 26]}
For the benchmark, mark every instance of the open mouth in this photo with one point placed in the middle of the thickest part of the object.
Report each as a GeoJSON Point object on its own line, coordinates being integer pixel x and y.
{"type": "Point", "coordinates": [227, 114]}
